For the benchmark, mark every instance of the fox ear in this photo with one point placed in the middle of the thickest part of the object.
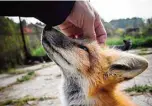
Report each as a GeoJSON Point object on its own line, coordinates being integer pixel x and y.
{"type": "Point", "coordinates": [129, 65]}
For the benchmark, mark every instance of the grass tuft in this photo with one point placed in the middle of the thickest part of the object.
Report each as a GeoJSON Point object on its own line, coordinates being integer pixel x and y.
{"type": "Point", "coordinates": [27, 77]}
{"type": "Point", "coordinates": [12, 71]}
{"type": "Point", "coordinates": [140, 89]}
{"type": "Point", "coordinates": [18, 102]}
{"type": "Point", "coordinates": [24, 78]}
{"type": "Point", "coordinates": [24, 100]}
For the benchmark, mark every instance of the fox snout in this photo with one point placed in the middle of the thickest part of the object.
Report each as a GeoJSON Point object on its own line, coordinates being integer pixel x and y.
{"type": "Point", "coordinates": [64, 51]}
{"type": "Point", "coordinates": [88, 59]}
{"type": "Point", "coordinates": [56, 39]}
{"type": "Point", "coordinates": [90, 70]}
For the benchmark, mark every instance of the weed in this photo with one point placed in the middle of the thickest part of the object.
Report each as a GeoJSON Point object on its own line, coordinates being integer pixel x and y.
{"type": "Point", "coordinates": [24, 100]}
{"type": "Point", "coordinates": [140, 89]}
{"type": "Point", "coordinates": [27, 77]}
{"type": "Point", "coordinates": [18, 102]}
{"type": "Point", "coordinates": [14, 71]}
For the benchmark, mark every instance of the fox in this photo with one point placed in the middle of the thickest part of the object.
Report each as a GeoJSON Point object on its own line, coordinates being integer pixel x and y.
{"type": "Point", "coordinates": [91, 73]}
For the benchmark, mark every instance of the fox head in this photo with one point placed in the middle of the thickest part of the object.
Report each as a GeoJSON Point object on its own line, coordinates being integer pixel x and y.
{"type": "Point", "coordinates": [101, 67]}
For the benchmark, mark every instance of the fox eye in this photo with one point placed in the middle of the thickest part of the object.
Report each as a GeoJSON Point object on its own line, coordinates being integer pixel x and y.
{"type": "Point", "coordinates": [83, 47]}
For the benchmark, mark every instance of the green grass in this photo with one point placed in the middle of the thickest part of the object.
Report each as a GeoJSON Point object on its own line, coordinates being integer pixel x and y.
{"type": "Point", "coordinates": [143, 49]}
{"type": "Point", "coordinates": [24, 78]}
{"type": "Point", "coordinates": [12, 71]}
{"type": "Point", "coordinates": [24, 100]}
{"type": "Point", "coordinates": [27, 77]}
{"type": "Point", "coordinates": [114, 41]}
{"type": "Point", "coordinates": [39, 51]}
{"type": "Point", "coordinates": [141, 41]}
{"type": "Point", "coordinates": [140, 89]}
{"type": "Point", "coordinates": [18, 102]}
{"type": "Point", "coordinates": [136, 41]}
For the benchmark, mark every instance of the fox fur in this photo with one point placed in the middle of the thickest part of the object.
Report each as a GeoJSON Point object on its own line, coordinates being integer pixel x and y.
{"type": "Point", "coordinates": [91, 73]}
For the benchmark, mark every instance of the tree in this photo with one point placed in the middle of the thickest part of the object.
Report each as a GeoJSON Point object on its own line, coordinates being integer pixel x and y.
{"type": "Point", "coordinates": [108, 27]}
{"type": "Point", "coordinates": [24, 23]}
{"type": "Point", "coordinates": [128, 23]}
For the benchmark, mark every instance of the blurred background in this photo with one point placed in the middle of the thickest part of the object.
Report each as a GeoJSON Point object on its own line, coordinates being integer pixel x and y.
{"type": "Point", "coordinates": [20, 43]}
{"type": "Point", "coordinates": [29, 78]}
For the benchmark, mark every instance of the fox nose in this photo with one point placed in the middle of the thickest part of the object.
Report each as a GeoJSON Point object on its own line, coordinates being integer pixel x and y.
{"type": "Point", "coordinates": [56, 38]}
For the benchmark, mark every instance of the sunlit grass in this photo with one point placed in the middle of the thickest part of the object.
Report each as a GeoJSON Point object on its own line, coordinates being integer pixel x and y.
{"type": "Point", "coordinates": [136, 41]}
{"type": "Point", "coordinates": [39, 51]}
{"type": "Point", "coordinates": [114, 41]}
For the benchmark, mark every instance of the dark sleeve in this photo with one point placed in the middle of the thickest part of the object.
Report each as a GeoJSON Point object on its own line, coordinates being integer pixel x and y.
{"type": "Point", "coordinates": [50, 12]}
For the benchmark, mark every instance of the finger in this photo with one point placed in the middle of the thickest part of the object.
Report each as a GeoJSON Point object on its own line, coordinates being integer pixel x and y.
{"type": "Point", "coordinates": [101, 34]}
{"type": "Point", "coordinates": [70, 30]}
{"type": "Point", "coordinates": [88, 27]}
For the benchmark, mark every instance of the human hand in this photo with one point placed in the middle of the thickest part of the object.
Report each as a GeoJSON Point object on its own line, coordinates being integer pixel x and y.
{"type": "Point", "coordinates": [85, 22]}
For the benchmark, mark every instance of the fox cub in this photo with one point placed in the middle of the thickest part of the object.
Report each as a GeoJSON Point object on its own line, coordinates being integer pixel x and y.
{"type": "Point", "coordinates": [90, 72]}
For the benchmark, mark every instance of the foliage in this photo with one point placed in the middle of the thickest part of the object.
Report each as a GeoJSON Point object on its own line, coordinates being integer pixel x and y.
{"type": "Point", "coordinates": [147, 29]}
{"type": "Point", "coordinates": [14, 71]}
{"type": "Point", "coordinates": [136, 41]}
{"type": "Point", "coordinates": [27, 77]}
{"type": "Point", "coordinates": [114, 41]}
{"type": "Point", "coordinates": [127, 23]}
{"type": "Point", "coordinates": [119, 31]}
{"type": "Point", "coordinates": [18, 102]}
{"type": "Point", "coordinates": [108, 27]}
{"type": "Point", "coordinates": [140, 38]}
{"type": "Point", "coordinates": [141, 41]}
{"type": "Point", "coordinates": [140, 89]}
{"type": "Point", "coordinates": [9, 30]}
{"type": "Point", "coordinates": [39, 51]}
{"type": "Point", "coordinates": [10, 44]}
{"type": "Point", "coordinates": [24, 23]}
{"type": "Point", "coordinates": [23, 101]}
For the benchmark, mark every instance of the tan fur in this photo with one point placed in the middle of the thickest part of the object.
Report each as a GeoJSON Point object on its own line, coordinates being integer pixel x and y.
{"type": "Point", "coordinates": [92, 72]}
{"type": "Point", "coordinates": [103, 91]}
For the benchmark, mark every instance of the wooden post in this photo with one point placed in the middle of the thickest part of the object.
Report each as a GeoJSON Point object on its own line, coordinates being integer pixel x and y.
{"type": "Point", "coordinates": [23, 39]}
